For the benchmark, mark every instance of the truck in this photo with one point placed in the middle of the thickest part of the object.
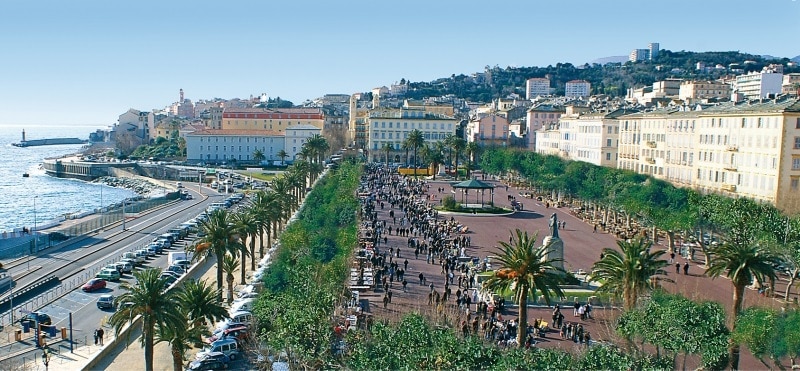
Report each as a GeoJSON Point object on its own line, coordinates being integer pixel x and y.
{"type": "Point", "coordinates": [179, 255]}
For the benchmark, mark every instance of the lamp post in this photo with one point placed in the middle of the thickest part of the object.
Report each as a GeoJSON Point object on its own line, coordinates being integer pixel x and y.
{"type": "Point", "coordinates": [33, 232]}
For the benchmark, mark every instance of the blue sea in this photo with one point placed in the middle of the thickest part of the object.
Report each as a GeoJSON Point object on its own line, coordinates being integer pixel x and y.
{"type": "Point", "coordinates": [40, 195]}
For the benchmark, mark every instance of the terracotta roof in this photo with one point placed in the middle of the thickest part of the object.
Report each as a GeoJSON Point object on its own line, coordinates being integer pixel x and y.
{"type": "Point", "coordinates": [302, 110]}
{"type": "Point", "coordinates": [239, 132]}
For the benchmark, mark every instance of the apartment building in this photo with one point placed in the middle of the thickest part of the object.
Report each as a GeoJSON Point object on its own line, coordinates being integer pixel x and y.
{"type": "Point", "coordinates": [745, 149]}
{"type": "Point", "coordinates": [536, 87]}
{"type": "Point", "coordinates": [791, 84]}
{"type": "Point", "coordinates": [271, 119]}
{"type": "Point", "coordinates": [588, 137]}
{"type": "Point", "coordinates": [491, 130]}
{"type": "Point", "coordinates": [757, 85]}
{"type": "Point", "coordinates": [392, 125]}
{"type": "Point", "coordinates": [577, 89]}
{"type": "Point", "coordinates": [693, 91]}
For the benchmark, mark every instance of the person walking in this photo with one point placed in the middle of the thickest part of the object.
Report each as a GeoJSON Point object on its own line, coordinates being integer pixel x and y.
{"type": "Point", "coordinates": [95, 337]}
{"type": "Point", "coordinates": [100, 334]}
{"type": "Point", "coordinates": [686, 268]}
{"type": "Point", "coordinates": [678, 268]}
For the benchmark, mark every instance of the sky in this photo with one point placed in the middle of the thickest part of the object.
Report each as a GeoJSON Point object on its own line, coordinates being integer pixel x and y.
{"type": "Point", "coordinates": [85, 62]}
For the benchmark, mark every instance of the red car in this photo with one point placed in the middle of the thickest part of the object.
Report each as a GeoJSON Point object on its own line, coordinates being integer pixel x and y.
{"type": "Point", "coordinates": [94, 284]}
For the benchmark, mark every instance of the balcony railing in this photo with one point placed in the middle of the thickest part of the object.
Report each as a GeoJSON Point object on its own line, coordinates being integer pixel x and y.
{"type": "Point", "coordinates": [651, 144]}
{"type": "Point", "coordinates": [650, 160]}
{"type": "Point", "coordinates": [732, 148]}
{"type": "Point", "coordinates": [731, 168]}
{"type": "Point", "coordinates": [729, 187]}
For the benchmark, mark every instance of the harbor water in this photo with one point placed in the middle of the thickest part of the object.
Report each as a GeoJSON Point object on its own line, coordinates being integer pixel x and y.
{"type": "Point", "coordinates": [39, 198]}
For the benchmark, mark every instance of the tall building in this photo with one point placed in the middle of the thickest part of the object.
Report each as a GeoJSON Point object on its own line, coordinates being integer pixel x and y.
{"type": "Point", "coordinates": [691, 91]}
{"type": "Point", "coordinates": [491, 130]}
{"type": "Point", "coordinates": [757, 85]}
{"type": "Point", "coordinates": [536, 87]}
{"type": "Point", "coordinates": [577, 89]}
{"type": "Point", "coordinates": [645, 54]}
{"type": "Point", "coordinates": [588, 137]}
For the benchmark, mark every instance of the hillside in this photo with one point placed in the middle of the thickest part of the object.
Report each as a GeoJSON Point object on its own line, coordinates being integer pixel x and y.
{"type": "Point", "coordinates": [612, 79]}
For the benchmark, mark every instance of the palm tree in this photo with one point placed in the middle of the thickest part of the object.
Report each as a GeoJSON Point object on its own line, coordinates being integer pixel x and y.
{"type": "Point", "coordinates": [262, 208]}
{"type": "Point", "coordinates": [319, 146]}
{"type": "Point", "coordinates": [416, 140]}
{"type": "Point", "coordinates": [525, 269]}
{"type": "Point", "coordinates": [406, 146]}
{"type": "Point", "coordinates": [229, 265]}
{"type": "Point", "coordinates": [433, 154]}
{"type": "Point", "coordinates": [258, 156]}
{"type": "Point", "coordinates": [150, 299]}
{"type": "Point", "coordinates": [220, 239]}
{"type": "Point", "coordinates": [629, 271]}
{"type": "Point", "coordinates": [282, 155]}
{"type": "Point", "coordinates": [459, 144]}
{"type": "Point", "coordinates": [246, 227]}
{"type": "Point", "coordinates": [471, 150]}
{"type": "Point", "coordinates": [742, 263]}
{"type": "Point", "coordinates": [197, 304]}
{"type": "Point", "coordinates": [387, 147]}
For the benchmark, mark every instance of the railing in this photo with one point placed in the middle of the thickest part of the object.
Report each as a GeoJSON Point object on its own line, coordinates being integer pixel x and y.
{"type": "Point", "coordinates": [732, 148]}
{"type": "Point", "coordinates": [651, 144]}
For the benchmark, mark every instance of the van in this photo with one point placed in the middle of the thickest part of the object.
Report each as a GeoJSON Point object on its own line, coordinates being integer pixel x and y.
{"type": "Point", "coordinates": [244, 305]}
{"type": "Point", "coordinates": [133, 256]}
{"type": "Point", "coordinates": [242, 317]}
{"type": "Point", "coordinates": [228, 346]}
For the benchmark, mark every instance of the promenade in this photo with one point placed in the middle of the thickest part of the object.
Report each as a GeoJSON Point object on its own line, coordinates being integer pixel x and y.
{"type": "Point", "coordinates": [582, 248]}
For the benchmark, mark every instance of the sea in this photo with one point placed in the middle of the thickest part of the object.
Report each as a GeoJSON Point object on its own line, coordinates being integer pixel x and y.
{"type": "Point", "coordinates": [41, 198]}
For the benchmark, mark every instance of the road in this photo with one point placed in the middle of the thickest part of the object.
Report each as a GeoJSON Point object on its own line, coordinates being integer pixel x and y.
{"type": "Point", "coordinates": [76, 263]}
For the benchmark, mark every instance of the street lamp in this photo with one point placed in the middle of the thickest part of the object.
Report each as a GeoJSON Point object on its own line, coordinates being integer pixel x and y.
{"type": "Point", "coordinates": [33, 232]}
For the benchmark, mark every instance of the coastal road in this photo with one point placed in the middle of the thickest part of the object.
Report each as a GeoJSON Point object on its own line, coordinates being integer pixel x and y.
{"type": "Point", "coordinates": [78, 262]}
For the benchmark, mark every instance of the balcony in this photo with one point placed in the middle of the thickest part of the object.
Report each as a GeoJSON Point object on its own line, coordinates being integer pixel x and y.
{"type": "Point", "coordinates": [731, 168]}
{"type": "Point", "coordinates": [732, 148]}
{"type": "Point", "coordinates": [729, 187]}
{"type": "Point", "coordinates": [651, 144]}
{"type": "Point", "coordinates": [650, 160]}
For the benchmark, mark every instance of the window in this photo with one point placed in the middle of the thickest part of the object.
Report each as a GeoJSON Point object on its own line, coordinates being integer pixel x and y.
{"type": "Point", "coordinates": [608, 142]}
{"type": "Point", "coordinates": [795, 182]}
{"type": "Point", "coordinates": [796, 142]}
{"type": "Point", "coordinates": [795, 163]}
{"type": "Point", "coordinates": [797, 124]}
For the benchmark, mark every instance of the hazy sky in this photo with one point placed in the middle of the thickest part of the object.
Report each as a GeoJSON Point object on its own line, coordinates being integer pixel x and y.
{"type": "Point", "coordinates": [87, 61]}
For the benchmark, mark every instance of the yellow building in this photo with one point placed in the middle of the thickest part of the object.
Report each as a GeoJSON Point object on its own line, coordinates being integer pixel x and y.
{"type": "Point", "coordinates": [276, 120]}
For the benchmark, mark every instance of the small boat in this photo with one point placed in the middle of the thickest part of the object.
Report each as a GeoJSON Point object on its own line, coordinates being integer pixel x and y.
{"type": "Point", "coordinates": [25, 175]}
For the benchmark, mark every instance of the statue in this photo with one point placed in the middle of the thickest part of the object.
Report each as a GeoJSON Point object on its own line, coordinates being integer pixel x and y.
{"type": "Point", "coordinates": [554, 225]}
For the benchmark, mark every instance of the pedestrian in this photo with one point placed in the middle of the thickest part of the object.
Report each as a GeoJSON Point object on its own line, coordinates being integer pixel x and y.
{"type": "Point", "coordinates": [385, 301]}
{"type": "Point", "coordinates": [100, 333]}
{"type": "Point", "coordinates": [421, 279]}
{"type": "Point", "coordinates": [686, 268]}
{"type": "Point", "coordinates": [678, 268]}
{"type": "Point", "coordinates": [671, 257]}
{"type": "Point", "coordinates": [390, 295]}
{"type": "Point", "coordinates": [594, 229]}
{"type": "Point", "coordinates": [95, 337]}
{"type": "Point", "coordinates": [404, 285]}
{"type": "Point", "coordinates": [405, 263]}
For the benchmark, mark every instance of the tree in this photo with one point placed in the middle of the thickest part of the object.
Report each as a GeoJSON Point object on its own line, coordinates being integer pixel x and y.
{"type": "Point", "coordinates": [246, 227]}
{"type": "Point", "coordinates": [258, 156]}
{"type": "Point", "coordinates": [282, 155]}
{"type": "Point", "coordinates": [180, 342]}
{"type": "Point", "coordinates": [472, 151]}
{"type": "Point", "coordinates": [150, 299]}
{"type": "Point", "coordinates": [406, 146]}
{"type": "Point", "coordinates": [756, 328]}
{"type": "Point", "coordinates": [387, 147]}
{"type": "Point", "coordinates": [220, 239]}
{"type": "Point", "coordinates": [629, 272]}
{"type": "Point", "coordinates": [433, 154]}
{"type": "Point", "coordinates": [229, 265]}
{"type": "Point", "coordinates": [743, 262]}
{"type": "Point", "coordinates": [198, 302]}
{"type": "Point", "coordinates": [459, 144]}
{"type": "Point", "coordinates": [524, 269]}
{"type": "Point", "coordinates": [261, 209]}
{"type": "Point", "coordinates": [416, 140]}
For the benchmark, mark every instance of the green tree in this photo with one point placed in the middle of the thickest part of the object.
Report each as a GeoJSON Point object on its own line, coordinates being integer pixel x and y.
{"type": "Point", "coordinates": [387, 148]}
{"type": "Point", "coordinates": [198, 302]}
{"type": "Point", "coordinates": [472, 153]}
{"type": "Point", "coordinates": [433, 154]}
{"type": "Point", "coordinates": [258, 156]}
{"type": "Point", "coordinates": [220, 238]}
{"type": "Point", "coordinates": [524, 269]}
{"type": "Point", "coordinates": [416, 140]}
{"type": "Point", "coordinates": [459, 144]}
{"type": "Point", "coordinates": [229, 265]}
{"type": "Point", "coordinates": [282, 155]}
{"type": "Point", "coordinates": [246, 226]}
{"type": "Point", "coordinates": [756, 328]}
{"type": "Point", "coordinates": [742, 261]}
{"type": "Point", "coordinates": [629, 272]}
{"type": "Point", "coordinates": [150, 299]}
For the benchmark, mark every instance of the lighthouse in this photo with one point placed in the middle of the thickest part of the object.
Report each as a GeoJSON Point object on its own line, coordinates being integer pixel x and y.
{"type": "Point", "coordinates": [23, 135]}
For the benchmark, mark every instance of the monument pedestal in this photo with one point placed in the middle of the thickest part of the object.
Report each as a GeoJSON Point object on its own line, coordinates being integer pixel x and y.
{"type": "Point", "coordinates": [556, 250]}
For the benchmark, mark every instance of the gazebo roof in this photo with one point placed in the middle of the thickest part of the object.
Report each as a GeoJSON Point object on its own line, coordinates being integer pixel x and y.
{"type": "Point", "coordinates": [473, 184]}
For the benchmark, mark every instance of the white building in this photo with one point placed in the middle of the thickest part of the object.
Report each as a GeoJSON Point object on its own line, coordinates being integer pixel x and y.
{"type": "Point", "coordinates": [392, 125]}
{"type": "Point", "coordinates": [536, 87]}
{"type": "Point", "coordinates": [757, 85]}
{"type": "Point", "coordinates": [296, 136]}
{"type": "Point", "coordinates": [218, 146]}
{"type": "Point", "coordinates": [577, 89]}
{"type": "Point", "coordinates": [590, 137]}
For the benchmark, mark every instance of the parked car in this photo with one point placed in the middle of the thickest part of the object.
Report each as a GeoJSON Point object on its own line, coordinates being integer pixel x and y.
{"type": "Point", "coordinates": [206, 364]}
{"type": "Point", "coordinates": [105, 301]}
{"type": "Point", "coordinates": [94, 284]}
{"type": "Point", "coordinates": [219, 356]}
{"type": "Point", "coordinates": [33, 317]}
{"type": "Point", "coordinates": [183, 263]}
{"type": "Point", "coordinates": [169, 278]}
{"type": "Point", "coordinates": [175, 269]}
{"type": "Point", "coordinates": [239, 333]}
{"type": "Point", "coordinates": [109, 274]}
{"type": "Point", "coordinates": [124, 266]}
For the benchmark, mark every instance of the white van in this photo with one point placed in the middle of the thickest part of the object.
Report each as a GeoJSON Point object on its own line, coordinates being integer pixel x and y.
{"type": "Point", "coordinates": [244, 305]}
{"type": "Point", "coordinates": [229, 346]}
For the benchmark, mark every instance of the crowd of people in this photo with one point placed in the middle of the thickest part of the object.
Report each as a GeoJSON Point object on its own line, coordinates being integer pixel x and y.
{"type": "Point", "coordinates": [397, 205]}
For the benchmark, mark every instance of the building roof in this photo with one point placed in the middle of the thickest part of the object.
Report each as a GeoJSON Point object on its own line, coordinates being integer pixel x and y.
{"type": "Point", "coordinates": [238, 132]}
{"type": "Point", "coordinates": [298, 110]}
{"type": "Point", "coordinates": [302, 127]}
{"type": "Point", "coordinates": [544, 107]}
{"type": "Point", "coordinates": [538, 79]}
{"type": "Point", "coordinates": [577, 82]}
